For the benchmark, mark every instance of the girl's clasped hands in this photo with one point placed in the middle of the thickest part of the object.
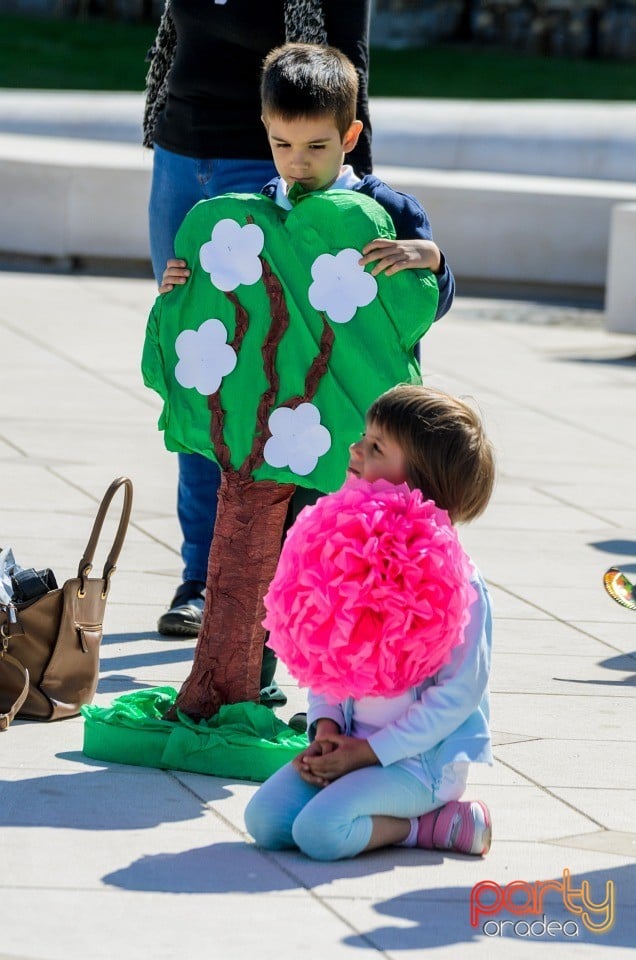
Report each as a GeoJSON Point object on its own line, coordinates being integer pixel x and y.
{"type": "Point", "coordinates": [331, 755]}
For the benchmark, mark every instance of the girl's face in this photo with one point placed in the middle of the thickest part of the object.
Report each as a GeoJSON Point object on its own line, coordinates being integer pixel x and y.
{"type": "Point", "coordinates": [377, 456]}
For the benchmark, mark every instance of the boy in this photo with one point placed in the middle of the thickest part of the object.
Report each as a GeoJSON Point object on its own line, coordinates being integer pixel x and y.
{"type": "Point", "coordinates": [308, 99]}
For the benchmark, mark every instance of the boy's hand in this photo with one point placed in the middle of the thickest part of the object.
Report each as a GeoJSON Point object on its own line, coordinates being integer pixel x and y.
{"type": "Point", "coordinates": [176, 272]}
{"type": "Point", "coordinates": [391, 256]}
{"type": "Point", "coordinates": [339, 755]}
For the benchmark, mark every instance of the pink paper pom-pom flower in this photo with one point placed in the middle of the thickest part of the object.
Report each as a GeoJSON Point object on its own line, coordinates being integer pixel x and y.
{"type": "Point", "coordinates": [371, 593]}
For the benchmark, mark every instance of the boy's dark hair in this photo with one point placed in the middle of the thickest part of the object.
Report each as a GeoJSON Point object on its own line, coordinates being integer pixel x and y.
{"type": "Point", "coordinates": [447, 454]}
{"type": "Point", "coordinates": [307, 80]}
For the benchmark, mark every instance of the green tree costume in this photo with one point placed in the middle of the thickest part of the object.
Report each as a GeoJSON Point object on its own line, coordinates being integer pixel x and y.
{"type": "Point", "coordinates": [267, 360]}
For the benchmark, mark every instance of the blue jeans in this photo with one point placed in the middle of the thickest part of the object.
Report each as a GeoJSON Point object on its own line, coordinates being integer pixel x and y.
{"type": "Point", "coordinates": [333, 822]}
{"type": "Point", "coordinates": [177, 184]}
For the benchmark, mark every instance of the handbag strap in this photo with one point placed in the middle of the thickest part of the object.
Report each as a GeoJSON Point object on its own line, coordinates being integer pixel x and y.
{"type": "Point", "coordinates": [86, 563]}
{"type": "Point", "coordinates": [6, 718]}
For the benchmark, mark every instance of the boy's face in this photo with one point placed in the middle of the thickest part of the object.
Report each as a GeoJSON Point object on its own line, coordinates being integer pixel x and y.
{"type": "Point", "coordinates": [309, 150]}
{"type": "Point", "coordinates": [377, 456]}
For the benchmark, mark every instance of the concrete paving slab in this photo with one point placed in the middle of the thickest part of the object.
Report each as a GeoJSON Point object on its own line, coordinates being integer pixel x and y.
{"type": "Point", "coordinates": [552, 637]}
{"type": "Point", "coordinates": [619, 814]}
{"type": "Point", "coordinates": [516, 565]}
{"type": "Point", "coordinates": [167, 924]}
{"type": "Point", "coordinates": [606, 841]}
{"type": "Point", "coordinates": [96, 800]}
{"type": "Point", "coordinates": [402, 927]}
{"type": "Point", "coordinates": [565, 676]}
{"type": "Point", "coordinates": [25, 752]}
{"type": "Point", "coordinates": [529, 814]}
{"type": "Point", "coordinates": [551, 518]}
{"type": "Point", "coordinates": [619, 635]}
{"type": "Point", "coordinates": [496, 774]}
{"type": "Point", "coordinates": [169, 869]}
{"type": "Point", "coordinates": [507, 604]}
{"type": "Point", "coordinates": [422, 874]}
{"type": "Point", "coordinates": [565, 717]}
{"type": "Point", "coordinates": [564, 761]}
{"type": "Point", "coordinates": [143, 663]}
{"type": "Point", "coordinates": [568, 604]}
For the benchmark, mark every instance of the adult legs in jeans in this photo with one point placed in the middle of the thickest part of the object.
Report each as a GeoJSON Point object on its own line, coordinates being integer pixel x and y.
{"type": "Point", "coordinates": [178, 183]}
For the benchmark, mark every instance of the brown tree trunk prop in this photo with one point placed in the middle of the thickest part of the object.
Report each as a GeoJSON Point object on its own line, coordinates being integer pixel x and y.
{"type": "Point", "coordinates": [243, 558]}
{"type": "Point", "coordinates": [247, 535]}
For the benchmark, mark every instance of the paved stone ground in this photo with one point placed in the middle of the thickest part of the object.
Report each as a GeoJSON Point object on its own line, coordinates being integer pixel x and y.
{"type": "Point", "coordinates": [103, 860]}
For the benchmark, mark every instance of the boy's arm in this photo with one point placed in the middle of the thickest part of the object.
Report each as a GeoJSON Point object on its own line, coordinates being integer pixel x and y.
{"type": "Point", "coordinates": [391, 256]}
{"type": "Point", "coordinates": [446, 287]}
{"type": "Point", "coordinates": [412, 224]}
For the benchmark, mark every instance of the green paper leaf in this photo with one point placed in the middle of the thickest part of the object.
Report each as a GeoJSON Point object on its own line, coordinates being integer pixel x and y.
{"type": "Point", "coordinates": [371, 352]}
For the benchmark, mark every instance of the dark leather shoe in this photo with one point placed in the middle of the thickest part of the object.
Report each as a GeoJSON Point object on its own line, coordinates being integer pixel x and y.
{"type": "Point", "coordinates": [183, 619]}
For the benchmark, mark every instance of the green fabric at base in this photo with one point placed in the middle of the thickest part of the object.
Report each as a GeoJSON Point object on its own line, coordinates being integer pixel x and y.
{"type": "Point", "coordinates": [244, 740]}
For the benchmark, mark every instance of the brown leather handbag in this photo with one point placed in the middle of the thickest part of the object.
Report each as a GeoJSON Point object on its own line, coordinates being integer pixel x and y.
{"type": "Point", "coordinates": [49, 646]}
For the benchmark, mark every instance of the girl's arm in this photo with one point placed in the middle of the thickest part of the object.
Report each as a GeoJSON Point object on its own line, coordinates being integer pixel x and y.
{"type": "Point", "coordinates": [456, 694]}
{"type": "Point", "coordinates": [318, 709]}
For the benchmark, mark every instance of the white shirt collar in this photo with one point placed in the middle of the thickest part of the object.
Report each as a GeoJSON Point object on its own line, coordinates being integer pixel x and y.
{"type": "Point", "coordinates": [346, 180]}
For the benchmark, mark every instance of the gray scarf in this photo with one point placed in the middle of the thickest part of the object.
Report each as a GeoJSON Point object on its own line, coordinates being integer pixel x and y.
{"type": "Point", "coordinates": [304, 23]}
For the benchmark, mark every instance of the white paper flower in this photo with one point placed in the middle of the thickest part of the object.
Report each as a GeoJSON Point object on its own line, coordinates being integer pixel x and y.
{"type": "Point", "coordinates": [297, 439]}
{"type": "Point", "coordinates": [231, 256]}
{"type": "Point", "coordinates": [204, 357]}
{"type": "Point", "coordinates": [341, 285]}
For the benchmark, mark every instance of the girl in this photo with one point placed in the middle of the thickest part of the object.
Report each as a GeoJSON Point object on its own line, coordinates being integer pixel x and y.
{"type": "Point", "coordinates": [390, 770]}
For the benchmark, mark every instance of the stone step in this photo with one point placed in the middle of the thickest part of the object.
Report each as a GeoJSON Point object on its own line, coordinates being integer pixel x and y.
{"type": "Point", "coordinates": [590, 140]}
{"type": "Point", "coordinates": [72, 198]}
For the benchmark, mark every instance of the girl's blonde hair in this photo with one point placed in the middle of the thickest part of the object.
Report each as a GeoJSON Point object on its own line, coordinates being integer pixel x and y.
{"type": "Point", "coordinates": [447, 454]}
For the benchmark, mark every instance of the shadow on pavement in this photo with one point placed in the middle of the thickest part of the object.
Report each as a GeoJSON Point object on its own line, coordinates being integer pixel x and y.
{"type": "Point", "coordinates": [104, 799]}
{"type": "Point", "coordinates": [151, 658]}
{"type": "Point", "coordinates": [242, 868]}
{"type": "Point", "coordinates": [623, 548]}
{"type": "Point", "coordinates": [627, 361]}
{"type": "Point", "coordinates": [118, 683]}
{"type": "Point", "coordinates": [623, 661]}
{"type": "Point", "coordinates": [109, 638]}
{"type": "Point", "coordinates": [441, 916]}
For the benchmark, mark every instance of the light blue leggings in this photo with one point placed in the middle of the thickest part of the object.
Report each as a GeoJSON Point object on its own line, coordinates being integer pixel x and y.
{"type": "Point", "coordinates": [333, 822]}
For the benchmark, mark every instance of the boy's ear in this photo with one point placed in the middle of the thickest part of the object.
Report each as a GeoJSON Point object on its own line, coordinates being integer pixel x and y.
{"type": "Point", "coordinates": [351, 136]}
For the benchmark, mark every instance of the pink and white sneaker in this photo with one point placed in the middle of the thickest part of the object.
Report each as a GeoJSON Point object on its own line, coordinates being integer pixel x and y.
{"type": "Point", "coordinates": [460, 826]}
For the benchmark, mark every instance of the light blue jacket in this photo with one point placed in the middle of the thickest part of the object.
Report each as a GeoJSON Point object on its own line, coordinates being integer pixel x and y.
{"type": "Point", "coordinates": [448, 720]}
